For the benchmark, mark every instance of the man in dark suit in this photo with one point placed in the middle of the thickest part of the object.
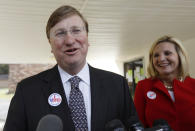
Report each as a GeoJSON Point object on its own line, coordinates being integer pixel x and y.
{"type": "Point", "coordinates": [103, 96]}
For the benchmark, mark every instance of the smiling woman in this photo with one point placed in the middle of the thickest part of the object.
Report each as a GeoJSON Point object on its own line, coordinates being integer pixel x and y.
{"type": "Point", "coordinates": [166, 61]}
{"type": "Point", "coordinates": [170, 85]}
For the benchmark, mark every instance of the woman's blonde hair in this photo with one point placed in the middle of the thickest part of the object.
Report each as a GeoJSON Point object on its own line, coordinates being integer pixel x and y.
{"type": "Point", "coordinates": [183, 58]}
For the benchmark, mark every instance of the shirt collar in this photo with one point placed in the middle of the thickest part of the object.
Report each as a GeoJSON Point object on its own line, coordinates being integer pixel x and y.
{"type": "Point", "coordinates": [83, 74]}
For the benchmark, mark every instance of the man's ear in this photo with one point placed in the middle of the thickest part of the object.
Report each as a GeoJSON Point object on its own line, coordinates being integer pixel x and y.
{"type": "Point", "coordinates": [50, 45]}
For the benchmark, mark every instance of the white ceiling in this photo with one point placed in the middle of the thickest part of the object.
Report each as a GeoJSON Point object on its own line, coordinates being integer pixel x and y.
{"type": "Point", "coordinates": [119, 29]}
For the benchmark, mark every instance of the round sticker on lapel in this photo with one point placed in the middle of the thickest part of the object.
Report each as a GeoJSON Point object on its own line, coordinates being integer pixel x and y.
{"type": "Point", "coordinates": [151, 95]}
{"type": "Point", "coordinates": [55, 99]}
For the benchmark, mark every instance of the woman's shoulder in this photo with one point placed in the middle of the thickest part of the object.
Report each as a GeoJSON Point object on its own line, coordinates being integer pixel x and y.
{"type": "Point", "coordinates": [189, 79]}
{"type": "Point", "coordinates": [147, 81]}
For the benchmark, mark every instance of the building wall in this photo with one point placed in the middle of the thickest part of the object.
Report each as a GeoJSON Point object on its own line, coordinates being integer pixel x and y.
{"type": "Point", "coordinates": [17, 72]}
{"type": "Point", "coordinates": [190, 46]}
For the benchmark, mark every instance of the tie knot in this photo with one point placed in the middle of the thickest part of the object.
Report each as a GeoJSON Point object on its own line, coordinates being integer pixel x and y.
{"type": "Point", "coordinates": [74, 81]}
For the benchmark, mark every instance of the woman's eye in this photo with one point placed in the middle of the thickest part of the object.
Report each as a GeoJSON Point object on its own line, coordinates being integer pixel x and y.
{"type": "Point", "coordinates": [167, 53]}
{"type": "Point", "coordinates": [155, 55]}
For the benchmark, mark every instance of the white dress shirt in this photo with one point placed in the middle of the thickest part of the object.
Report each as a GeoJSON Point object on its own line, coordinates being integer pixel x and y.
{"type": "Point", "coordinates": [172, 95]}
{"type": "Point", "coordinates": [84, 86]}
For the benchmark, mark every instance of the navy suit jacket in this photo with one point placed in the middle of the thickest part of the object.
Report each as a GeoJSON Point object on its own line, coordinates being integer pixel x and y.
{"type": "Point", "coordinates": [110, 99]}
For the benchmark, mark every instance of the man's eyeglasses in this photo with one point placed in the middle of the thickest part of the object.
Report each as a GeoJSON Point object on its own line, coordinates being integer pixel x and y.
{"type": "Point", "coordinates": [74, 31]}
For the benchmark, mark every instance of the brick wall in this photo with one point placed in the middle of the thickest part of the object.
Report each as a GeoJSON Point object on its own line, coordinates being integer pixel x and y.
{"type": "Point", "coordinates": [17, 72]}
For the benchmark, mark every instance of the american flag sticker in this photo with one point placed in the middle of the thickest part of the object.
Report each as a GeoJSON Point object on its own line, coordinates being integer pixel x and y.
{"type": "Point", "coordinates": [151, 95]}
{"type": "Point", "coordinates": [54, 99]}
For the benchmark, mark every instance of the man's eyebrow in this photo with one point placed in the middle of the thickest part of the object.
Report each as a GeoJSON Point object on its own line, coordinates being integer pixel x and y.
{"type": "Point", "coordinates": [60, 29]}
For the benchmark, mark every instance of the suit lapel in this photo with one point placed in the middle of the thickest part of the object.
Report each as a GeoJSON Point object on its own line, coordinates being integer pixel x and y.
{"type": "Point", "coordinates": [98, 101]}
{"type": "Point", "coordinates": [54, 85]}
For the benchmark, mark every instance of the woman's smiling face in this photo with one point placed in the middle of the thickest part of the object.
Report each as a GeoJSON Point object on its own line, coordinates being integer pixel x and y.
{"type": "Point", "coordinates": [165, 59]}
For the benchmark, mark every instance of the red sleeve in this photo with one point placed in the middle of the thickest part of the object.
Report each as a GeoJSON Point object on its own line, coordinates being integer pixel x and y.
{"type": "Point", "coordinates": [139, 101]}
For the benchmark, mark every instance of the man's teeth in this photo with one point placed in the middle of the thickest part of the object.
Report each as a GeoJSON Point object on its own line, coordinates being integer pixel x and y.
{"type": "Point", "coordinates": [71, 50]}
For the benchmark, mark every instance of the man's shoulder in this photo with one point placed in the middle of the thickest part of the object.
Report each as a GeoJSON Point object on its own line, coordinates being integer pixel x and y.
{"type": "Point", "coordinates": [103, 73]}
{"type": "Point", "coordinates": [39, 76]}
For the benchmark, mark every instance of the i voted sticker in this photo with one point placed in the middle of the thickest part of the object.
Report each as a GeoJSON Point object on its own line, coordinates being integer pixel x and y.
{"type": "Point", "coordinates": [55, 99]}
{"type": "Point", "coordinates": [151, 95]}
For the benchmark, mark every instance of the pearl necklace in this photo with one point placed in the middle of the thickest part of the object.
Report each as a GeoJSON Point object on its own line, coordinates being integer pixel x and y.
{"type": "Point", "coordinates": [168, 87]}
{"type": "Point", "coordinates": [171, 87]}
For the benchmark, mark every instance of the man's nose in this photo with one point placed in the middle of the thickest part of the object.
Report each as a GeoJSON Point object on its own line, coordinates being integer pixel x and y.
{"type": "Point", "coordinates": [69, 38]}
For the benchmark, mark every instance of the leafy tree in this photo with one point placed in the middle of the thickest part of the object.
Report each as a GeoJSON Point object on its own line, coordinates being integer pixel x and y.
{"type": "Point", "coordinates": [4, 68]}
